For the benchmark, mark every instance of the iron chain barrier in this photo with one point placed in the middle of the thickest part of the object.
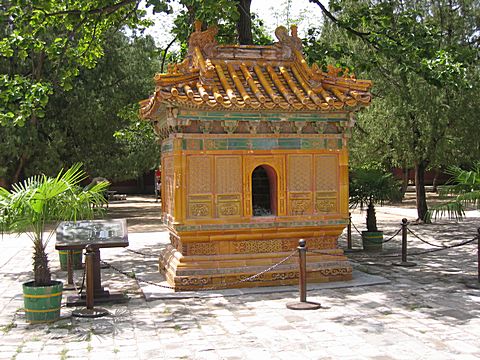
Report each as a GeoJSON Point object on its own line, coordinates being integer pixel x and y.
{"type": "Point", "coordinates": [350, 223]}
{"type": "Point", "coordinates": [389, 239]}
{"type": "Point", "coordinates": [201, 286]}
{"type": "Point", "coordinates": [323, 253]}
{"type": "Point", "coordinates": [90, 311]}
{"type": "Point", "coordinates": [437, 247]}
{"type": "Point", "coordinates": [358, 231]}
{"type": "Point", "coordinates": [445, 247]}
{"type": "Point", "coordinates": [140, 253]}
{"type": "Point", "coordinates": [83, 281]}
{"type": "Point", "coordinates": [424, 241]}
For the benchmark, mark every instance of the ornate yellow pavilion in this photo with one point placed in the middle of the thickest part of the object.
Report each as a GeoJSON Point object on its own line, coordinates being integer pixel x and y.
{"type": "Point", "coordinates": [254, 157]}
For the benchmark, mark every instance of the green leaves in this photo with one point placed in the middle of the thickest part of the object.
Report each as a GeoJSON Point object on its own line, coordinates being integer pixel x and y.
{"type": "Point", "coordinates": [41, 200]}
{"type": "Point", "coordinates": [432, 40]}
{"type": "Point", "coordinates": [465, 186]}
{"type": "Point", "coordinates": [81, 123]}
{"type": "Point", "coordinates": [160, 6]}
{"type": "Point", "coordinates": [47, 42]}
{"type": "Point", "coordinates": [372, 185]}
{"type": "Point", "coordinates": [20, 99]}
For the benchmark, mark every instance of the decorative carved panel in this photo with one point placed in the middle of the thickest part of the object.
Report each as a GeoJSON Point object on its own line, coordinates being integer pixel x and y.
{"type": "Point", "coordinates": [257, 246]}
{"type": "Point", "coordinates": [167, 197]}
{"type": "Point", "coordinates": [229, 209]}
{"type": "Point", "coordinates": [228, 174]}
{"type": "Point", "coordinates": [202, 248]}
{"type": "Point", "coordinates": [300, 180]}
{"type": "Point", "coordinates": [229, 205]}
{"type": "Point", "coordinates": [199, 175]}
{"type": "Point", "coordinates": [281, 245]}
{"type": "Point", "coordinates": [300, 206]}
{"type": "Point", "coordinates": [300, 173]}
{"type": "Point", "coordinates": [200, 206]}
{"type": "Point", "coordinates": [326, 172]}
{"type": "Point", "coordinates": [195, 281]}
{"type": "Point", "coordinates": [326, 202]}
{"type": "Point", "coordinates": [326, 195]}
{"type": "Point", "coordinates": [228, 184]}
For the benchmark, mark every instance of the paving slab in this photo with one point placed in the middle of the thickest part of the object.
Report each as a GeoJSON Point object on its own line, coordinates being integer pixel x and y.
{"type": "Point", "coordinates": [152, 292]}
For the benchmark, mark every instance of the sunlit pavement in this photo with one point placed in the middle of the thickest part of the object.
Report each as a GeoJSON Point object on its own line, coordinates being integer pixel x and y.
{"type": "Point", "coordinates": [424, 312]}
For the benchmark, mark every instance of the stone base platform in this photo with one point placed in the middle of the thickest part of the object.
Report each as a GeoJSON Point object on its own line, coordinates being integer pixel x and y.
{"type": "Point", "coordinates": [243, 258]}
{"type": "Point", "coordinates": [234, 271]}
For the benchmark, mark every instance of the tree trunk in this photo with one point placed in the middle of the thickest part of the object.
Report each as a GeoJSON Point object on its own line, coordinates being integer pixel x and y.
{"type": "Point", "coordinates": [41, 271]}
{"type": "Point", "coordinates": [422, 207]}
{"type": "Point", "coordinates": [4, 182]}
{"type": "Point", "coordinates": [19, 170]}
{"type": "Point", "coordinates": [371, 218]}
{"type": "Point", "coordinates": [244, 25]}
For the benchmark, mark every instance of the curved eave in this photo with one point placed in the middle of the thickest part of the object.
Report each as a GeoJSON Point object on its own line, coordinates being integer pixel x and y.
{"type": "Point", "coordinates": [149, 107]}
{"type": "Point", "coordinates": [283, 107]}
{"type": "Point", "coordinates": [239, 85]}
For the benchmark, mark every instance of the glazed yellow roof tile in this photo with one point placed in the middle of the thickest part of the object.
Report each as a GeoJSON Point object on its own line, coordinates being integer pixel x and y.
{"type": "Point", "coordinates": [249, 77]}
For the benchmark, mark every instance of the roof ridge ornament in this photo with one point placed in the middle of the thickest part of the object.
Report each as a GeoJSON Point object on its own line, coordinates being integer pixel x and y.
{"type": "Point", "coordinates": [288, 46]}
{"type": "Point", "coordinates": [284, 39]}
{"type": "Point", "coordinates": [204, 40]}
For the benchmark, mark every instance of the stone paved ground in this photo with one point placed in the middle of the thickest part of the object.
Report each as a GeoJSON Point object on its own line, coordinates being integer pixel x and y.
{"type": "Point", "coordinates": [425, 312]}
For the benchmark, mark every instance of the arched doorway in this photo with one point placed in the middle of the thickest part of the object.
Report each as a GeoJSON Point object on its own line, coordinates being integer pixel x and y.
{"type": "Point", "coordinates": [264, 191]}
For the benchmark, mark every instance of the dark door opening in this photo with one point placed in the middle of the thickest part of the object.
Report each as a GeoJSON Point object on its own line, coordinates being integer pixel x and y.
{"type": "Point", "coordinates": [263, 191]}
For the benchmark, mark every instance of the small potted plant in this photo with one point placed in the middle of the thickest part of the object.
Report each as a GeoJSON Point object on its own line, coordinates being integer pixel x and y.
{"type": "Point", "coordinates": [370, 186]}
{"type": "Point", "coordinates": [36, 207]}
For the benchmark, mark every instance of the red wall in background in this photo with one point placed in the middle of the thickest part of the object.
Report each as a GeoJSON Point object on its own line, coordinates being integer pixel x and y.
{"type": "Point", "coordinates": [429, 176]}
{"type": "Point", "coordinates": [143, 185]}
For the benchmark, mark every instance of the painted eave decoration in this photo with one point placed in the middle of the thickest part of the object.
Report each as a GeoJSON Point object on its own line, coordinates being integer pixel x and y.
{"type": "Point", "coordinates": [253, 78]}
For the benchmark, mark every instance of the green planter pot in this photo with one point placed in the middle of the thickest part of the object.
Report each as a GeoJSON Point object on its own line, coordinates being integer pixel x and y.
{"type": "Point", "coordinates": [42, 303]}
{"type": "Point", "coordinates": [77, 259]}
{"type": "Point", "coordinates": [372, 240]}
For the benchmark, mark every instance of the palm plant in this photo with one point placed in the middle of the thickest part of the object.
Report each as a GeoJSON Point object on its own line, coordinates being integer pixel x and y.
{"type": "Point", "coordinates": [465, 186]}
{"type": "Point", "coordinates": [372, 186]}
{"type": "Point", "coordinates": [40, 203]}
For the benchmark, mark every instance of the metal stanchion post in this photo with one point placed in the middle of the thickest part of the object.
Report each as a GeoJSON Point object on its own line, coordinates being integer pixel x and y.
{"type": "Point", "coordinates": [349, 248]}
{"type": "Point", "coordinates": [302, 270]}
{"type": "Point", "coordinates": [349, 232]}
{"type": "Point", "coordinates": [90, 311]}
{"type": "Point", "coordinates": [302, 276]}
{"type": "Point", "coordinates": [404, 261]}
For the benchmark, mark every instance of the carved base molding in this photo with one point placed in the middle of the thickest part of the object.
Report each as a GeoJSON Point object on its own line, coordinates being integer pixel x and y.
{"type": "Point", "coordinates": [254, 241]}
{"type": "Point", "coordinates": [205, 267]}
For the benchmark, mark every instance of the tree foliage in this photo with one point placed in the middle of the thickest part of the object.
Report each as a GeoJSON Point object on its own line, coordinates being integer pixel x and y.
{"type": "Point", "coordinates": [423, 59]}
{"type": "Point", "coordinates": [80, 125]}
{"type": "Point", "coordinates": [55, 108]}
{"type": "Point", "coordinates": [44, 45]}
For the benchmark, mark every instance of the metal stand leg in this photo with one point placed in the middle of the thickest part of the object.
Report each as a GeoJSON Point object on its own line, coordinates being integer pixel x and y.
{"type": "Point", "coordinates": [90, 311]}
{"type": "Point", "coordinates": [69, 285]}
